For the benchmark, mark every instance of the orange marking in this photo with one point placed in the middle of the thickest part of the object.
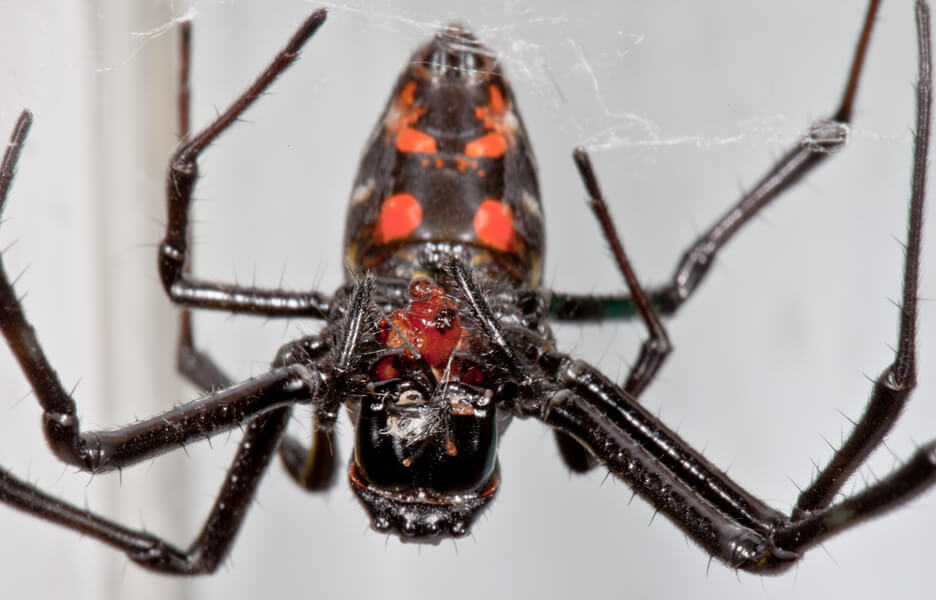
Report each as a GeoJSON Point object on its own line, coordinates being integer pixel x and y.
{"type": "Point", "coordinates": [496, 103]}
{"type": "Point", "coordinates": [493, 224]}
{"type": "Point", "coordinates": [386, 369]}
{"type": "Point", "coordinates": [492, 115]}
{"type": "Point", "coordinates": [491, 145]}
{"type": "Point", "coordinates": [404, 111]}
{"type": "Point", "coordinates": [450, 448]}
{"type": "Point", "coordinates": [408, 94]}
{"type": "Point", "coordinates": [463, 164]}
{"type": "Point", "coordinates": [413, 140]}
{"type": "Point", "coordinates": [491, 489]}
{"type": "Point", "coordinates": [399, 216]}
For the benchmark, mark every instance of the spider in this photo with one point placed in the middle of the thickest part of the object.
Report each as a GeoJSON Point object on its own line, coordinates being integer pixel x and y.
{"type": "Point", "coordinates": [461, 300]}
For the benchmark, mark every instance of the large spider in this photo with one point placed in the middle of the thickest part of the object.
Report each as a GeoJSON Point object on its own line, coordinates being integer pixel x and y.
{"type": "Point", "coordinates": [494, 361]}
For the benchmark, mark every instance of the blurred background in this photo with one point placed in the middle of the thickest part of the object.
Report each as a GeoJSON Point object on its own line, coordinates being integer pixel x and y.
{"type": "Point", "coordinates": [682, 107]}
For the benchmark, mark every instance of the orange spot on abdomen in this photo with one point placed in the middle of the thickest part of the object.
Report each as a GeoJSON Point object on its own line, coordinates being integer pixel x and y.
{"type": "Point", "coordinates": [399, 216]}
{"type": "Point", "coordinates": [496, 103]}
{"type": "Point", "coordinates": [494, 226]}
{"type": "Point", "coordinates": [491, 145]}
{"type": "Point", "coordinates": [407, 94]}
{"type": "Point", "coordinates": [413, 140]}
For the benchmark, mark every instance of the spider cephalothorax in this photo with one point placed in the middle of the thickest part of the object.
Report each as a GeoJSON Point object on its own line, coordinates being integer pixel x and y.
{"type": "Point", "coordinates": [427, 424]}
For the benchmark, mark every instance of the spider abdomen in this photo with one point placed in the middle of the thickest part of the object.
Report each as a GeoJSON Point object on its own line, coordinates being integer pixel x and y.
{"type": "Point", "coordinates": [449, 163]}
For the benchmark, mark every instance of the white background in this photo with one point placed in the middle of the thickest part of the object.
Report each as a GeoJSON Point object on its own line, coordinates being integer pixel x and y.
{"type": "Point", "coordinates": [683, 107]}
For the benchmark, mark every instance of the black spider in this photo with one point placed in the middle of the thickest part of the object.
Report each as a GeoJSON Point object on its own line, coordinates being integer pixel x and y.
{"type": "Point", "coordinates": [507, 360]}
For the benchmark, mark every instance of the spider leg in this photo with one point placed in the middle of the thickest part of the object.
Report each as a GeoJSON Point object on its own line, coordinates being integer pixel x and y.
{"type": "Point", "coordinates": [713, 510]}
{"type": "Point", "coordinates": [189, 291]}
{"type": "Point", "coordinates": [825, 137]}
{"type": "Point", "coordinates": [487, 319]}
{"type": "Point", "coordinates": [657, 347]}
{"type": "Point", "coordinates": [717, 513]}
{"type": "Point", "coordinates": [211, 545]}
{"type": "Point", "coordinates": [653, 351]}
{"type": "Point", "coordinates": [106, 450]}
{"type": "Point", "coordinates": [893, 386]}
{"type": "Point", "coordinates": [195, 365]}
{"type": "Point", "coordinates": [312, 468]}
{"type": "Point", "coordinates": [264, 403]}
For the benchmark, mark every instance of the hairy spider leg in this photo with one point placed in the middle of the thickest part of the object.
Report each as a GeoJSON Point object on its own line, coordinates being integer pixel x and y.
{"type": "Point", "coordinates": [824, 138]}
{"type": "Point", "coordinates": [314, 469]}
{"type": "Point", "coordinates": [263, 403]}
{"type": "Point", "coordinates": [188, 291]}
{"type": "Point", "coordinates": [713, 510]}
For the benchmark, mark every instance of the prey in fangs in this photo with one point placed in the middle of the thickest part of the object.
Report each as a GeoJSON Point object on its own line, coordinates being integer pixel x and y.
{"type": "Point", "coordinates": [441, 335]}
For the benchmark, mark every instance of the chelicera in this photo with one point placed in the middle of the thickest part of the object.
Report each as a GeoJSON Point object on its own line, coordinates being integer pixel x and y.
{"type": "Point", "coordinates": [442, 334]}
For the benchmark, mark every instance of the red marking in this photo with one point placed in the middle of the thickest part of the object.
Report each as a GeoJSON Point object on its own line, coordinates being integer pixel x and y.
{"type": "Point", "coordinates": [493, 223]}
{"type": "Point", "coordinates": [404, 112]}
{"type": "Point", "coordinates": [491, 145]}
{"type": "Point", "coordinates": [399, 216]}
{"type": "Point", "coordinates": [353, 476]}
{"type": "Point", "coordinates": [413, 140]}
{"type": "Point", "coordinates": [496, 103]}
{"type": "Point", "coordinates": [471, 374]}
{"type": "Point", "coordinates": [491, 489]}
{"type": "Point", "coordinates": [407, 94]}
{"type": "Point", "coordinates": [495, 143]}
{"type": "Point", "coordinates": [430, 325]}
{"type": "Point", "coordinates": [386, 369]}
{"type": "Point", "coordinates": [463, 164]}
{"type": "Point", "coordinates": [450, 448]}
{"type": "Point", "coordinates": [493, 113]}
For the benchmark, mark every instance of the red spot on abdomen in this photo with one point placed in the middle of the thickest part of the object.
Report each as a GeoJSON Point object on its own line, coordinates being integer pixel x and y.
{"type": "Point", "coordinates": [491, 145]}
{"type": "Point", "coordinates": [496, 103]}
{"type": "Point", "coordinates": [494, 226]}
{"type": "Point", "coordinates": [399, 216]}
{"type": "Point", "coordinates": [413, 140]}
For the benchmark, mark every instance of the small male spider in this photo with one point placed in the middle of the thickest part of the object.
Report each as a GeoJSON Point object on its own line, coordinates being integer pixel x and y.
{"type": "Point", "coordinates": [442, 322]}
